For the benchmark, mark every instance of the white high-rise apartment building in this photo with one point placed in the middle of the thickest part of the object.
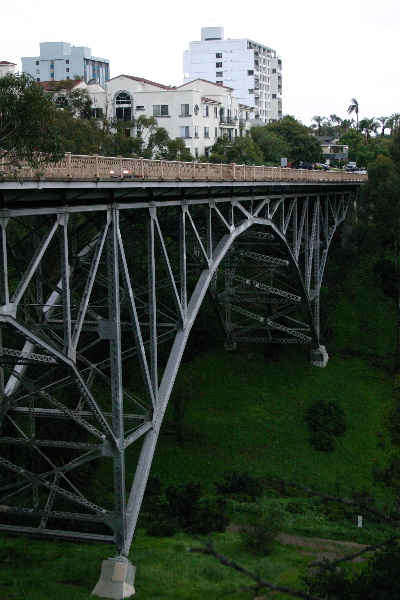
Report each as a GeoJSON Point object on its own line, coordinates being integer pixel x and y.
{"type": "Point", "coordinates": [253, 70]}
{"type": "Point", "coordinates": [59, 60]}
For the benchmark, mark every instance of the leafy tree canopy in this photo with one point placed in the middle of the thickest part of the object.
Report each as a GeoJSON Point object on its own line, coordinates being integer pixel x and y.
{"type": "Point", "coordinates": [273, 146]}
{"type": "Point", "coordinates": [302, 146]}
{"type": "Point", "coordinates": [28, 123]}
{"type": "Point", "coordinates": [242, 151]}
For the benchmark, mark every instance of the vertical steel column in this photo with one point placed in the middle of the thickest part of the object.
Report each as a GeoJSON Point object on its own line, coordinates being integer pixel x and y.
{"type": "Point", "coordinates": [116, 379]}
{"type": "Point", "coordinates": [4, 291]}
{"type": "Point", "coordinates": [183, 258]}
{"type": "Point", "coordinates": [317, 283]}
{"type": "Point", "coordinates": [152, 300]}
{"type": "Point", "coordinates": [65, 285]}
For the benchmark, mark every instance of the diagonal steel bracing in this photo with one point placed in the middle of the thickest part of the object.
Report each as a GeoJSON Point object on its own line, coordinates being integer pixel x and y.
{"type": "Point", "coordinates": [96, 310]}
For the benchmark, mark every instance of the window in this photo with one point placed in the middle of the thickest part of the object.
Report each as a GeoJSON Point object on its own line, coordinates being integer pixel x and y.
{"type": "Point", "coordinates": [160, 110]}
{"type": "Point", "coordinates": [218, 65]}
{"type": "Point", "coordinates": [185, 110]}
{"type": "Point", "coordinates": [37, 71]}
{"type": "Point", "coordinates": [216, 132]}
{"type": "Point", "coordinates": [221, 82]}
{"type": "Point", "coordinates": [97, 113]}
{"type": "Point", "coordinates": [196, 153]}
{"type": "Point", "coordinates": [251, 91]}
{"type": "Point", "coordinates": [67, 70]}
{"type": "Point", "coordinates": [184, 131]}
{"type": "Point", "coordinates": [37, 78]}
{"type": "Point", "coordinates": [218, 55]}
{"type": "Point", "coordinates": [274, 70]}
{"type": "Point", "coordinates": [140, 108]}
{"type": "Point", "coordinates": [37, 62]}
{"type": "Point", "coordinates": [218, 74]}
{"type": "Point", "coordinates": [215, 111]}
{"type": "Point", "coordinates": [61, 101]}
{"type": "Point", "coordinates": [123, 106]}
{"type": "Point", "coordinates": [206, 132]}
{"type": "Point", "coordinates": [273, 96]}
{"type": "Point", "coordinates": [205, 111]}
{"type": "Point", "coordinates": [67, 62]}
{"type": "Point", "coordinates": [196, 131]}
{"type": "Point", "coordinates": [250, 72]}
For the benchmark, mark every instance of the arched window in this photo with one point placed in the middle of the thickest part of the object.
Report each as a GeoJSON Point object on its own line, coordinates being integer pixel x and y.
{"type": "Point", "coordinates": [123, 106]}
{"type": "Point", "coordinates": [61, 101]}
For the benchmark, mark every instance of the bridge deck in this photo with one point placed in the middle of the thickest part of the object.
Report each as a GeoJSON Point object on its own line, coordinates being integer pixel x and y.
{"type": "Point", "coordinates": [92, 179]}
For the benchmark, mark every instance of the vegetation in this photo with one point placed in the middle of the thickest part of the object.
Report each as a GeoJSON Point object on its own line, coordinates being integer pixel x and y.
{"type": "Point", "coordinates": [28, 124]}
{"type": "Point", "coordinates": [325, 419]}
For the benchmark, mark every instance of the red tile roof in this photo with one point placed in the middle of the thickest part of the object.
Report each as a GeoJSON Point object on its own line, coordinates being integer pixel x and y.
{"type": "Point", "coordinates": [50, 86]}
{"type": "Point", "coordinates": [142, 80]}
{"type": "Point", "coordinates": [206, 81]}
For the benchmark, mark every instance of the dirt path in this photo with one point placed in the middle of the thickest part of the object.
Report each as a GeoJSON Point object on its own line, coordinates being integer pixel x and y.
{"type": "Point", "coordinates": [321, 548]}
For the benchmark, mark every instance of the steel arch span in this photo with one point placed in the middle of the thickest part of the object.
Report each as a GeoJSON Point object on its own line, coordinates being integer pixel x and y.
{"type": "Point", "coordinates": [97, 303]}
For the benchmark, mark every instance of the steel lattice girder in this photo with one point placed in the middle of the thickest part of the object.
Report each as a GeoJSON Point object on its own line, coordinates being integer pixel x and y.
{"type": "Point", "coordinates": [94, 302]}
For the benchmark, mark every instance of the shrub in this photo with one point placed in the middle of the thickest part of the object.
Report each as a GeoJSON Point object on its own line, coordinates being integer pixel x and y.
{"type": "Point", "coordinates": [325, 419]}
{"type": "Point", "coordinates": [239, 486]}
{"type": "Point", "coordinates": [185, 509]}
{"type": "Point", "coordinates": [260, 526]}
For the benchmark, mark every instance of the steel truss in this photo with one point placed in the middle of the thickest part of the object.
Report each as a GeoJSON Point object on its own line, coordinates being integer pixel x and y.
{"type": "Point", "coordinates": [96, 309]}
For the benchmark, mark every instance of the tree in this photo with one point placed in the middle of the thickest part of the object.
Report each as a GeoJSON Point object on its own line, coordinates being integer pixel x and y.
{"type": "Point", "coordinates": [319, 121]}
{"type": "Point", "coordinates": [384, 123]}
{"type": "Point", "coordinates": [242, 150]}
{"type": "Point", "coordinates": [302, 146]}
{"type": "Point", "coordinates": [28, 124]}
{"type": "Point", "coordinates": [273, 146]}
{"type": "Point", "coordinates": [368, 126]}
{"type": "Point", "coordinates": [393, 123]}
{"type": "Point", "coordinates": [353, 108]}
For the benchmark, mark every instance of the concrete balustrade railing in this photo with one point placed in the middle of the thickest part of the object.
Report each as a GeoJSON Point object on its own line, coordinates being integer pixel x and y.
{"type": "Point", "coordinates": [106, 167]}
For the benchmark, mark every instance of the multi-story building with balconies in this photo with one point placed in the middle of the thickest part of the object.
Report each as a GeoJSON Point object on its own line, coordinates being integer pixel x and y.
{"type": "Point", "coordinates": [59, 61]}
{"type": "Point", "coordinates": [199, 111]}
{"type": "Point", "coordinates": [252, 70]}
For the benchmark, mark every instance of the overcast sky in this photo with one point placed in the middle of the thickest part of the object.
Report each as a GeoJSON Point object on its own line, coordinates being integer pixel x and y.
{"type": "Point", "coordinates": [331, 51]}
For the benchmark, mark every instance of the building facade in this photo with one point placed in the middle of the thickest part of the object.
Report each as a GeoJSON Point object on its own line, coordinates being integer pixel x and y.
{"type": "Point", "coordinates": [252, 70]}
{"type": "Point", "coordinates": [59, 60]}
{"type": "Point", "coordinates": [7, 68]}
{"type": "Point", "coordinates": [198, 111]}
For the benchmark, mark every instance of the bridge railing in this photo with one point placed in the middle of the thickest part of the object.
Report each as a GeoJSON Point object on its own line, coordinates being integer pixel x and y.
{"type": "Point", "coordinates": [106, 167]}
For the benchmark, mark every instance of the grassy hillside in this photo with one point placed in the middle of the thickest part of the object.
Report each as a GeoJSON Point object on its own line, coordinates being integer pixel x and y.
{"type": "Point", "coordinates": [248, 414]}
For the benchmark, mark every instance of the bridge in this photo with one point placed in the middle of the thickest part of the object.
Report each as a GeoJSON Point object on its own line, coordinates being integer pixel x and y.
{"type": "Point", "coordinates": [105, 263]}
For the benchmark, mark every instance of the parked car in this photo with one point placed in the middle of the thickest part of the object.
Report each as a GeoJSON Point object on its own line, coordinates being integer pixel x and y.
{"type": "Point", "coordinates": [351, 166]}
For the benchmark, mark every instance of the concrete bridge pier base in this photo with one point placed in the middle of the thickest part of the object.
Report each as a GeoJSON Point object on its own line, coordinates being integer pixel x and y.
{"type": "Point", "coordinates": [319, 356]}
{"type": "Point", "coordinates": [116, 579]}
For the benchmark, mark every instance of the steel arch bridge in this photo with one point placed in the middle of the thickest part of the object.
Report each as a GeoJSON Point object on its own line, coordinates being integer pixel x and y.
{"type": "Point", "coordinates": [100, 285]}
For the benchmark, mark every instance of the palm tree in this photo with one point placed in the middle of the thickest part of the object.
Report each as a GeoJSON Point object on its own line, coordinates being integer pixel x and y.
{"type": "Point", "coordinates": [353, 108]}
{"type": "Point", "coordinates": [384, 123]}
{"type": "Point", "coordinates": [393, 122]}
{"type": "Point", "coordinates": [319, 121]}
{"type": "Point", "coordinates": [368, 126]}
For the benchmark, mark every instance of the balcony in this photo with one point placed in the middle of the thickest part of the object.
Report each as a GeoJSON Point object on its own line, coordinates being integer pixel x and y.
{"type": "Point", "coordinates": [228, 121]}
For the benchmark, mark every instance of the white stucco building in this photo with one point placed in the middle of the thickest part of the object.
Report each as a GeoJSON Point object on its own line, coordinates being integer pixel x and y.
{"type": "Point", "coordinates": [252, 70]}
{"type": "Point", "coordinates": [198, 111]}
{"type": "Point", "coordinates": [59, 60]}
{"type": "Point", "coordinates": [6, 67]}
